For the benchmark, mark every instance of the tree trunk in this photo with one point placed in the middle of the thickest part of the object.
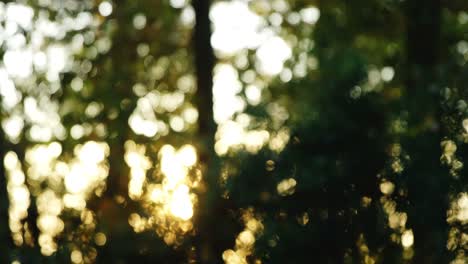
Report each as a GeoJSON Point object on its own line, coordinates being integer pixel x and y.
{"type": "Point", "coordinates": [208, 251]}
{"type": "Point", "coordinates": [427, 179]}
{"type": "Point", "coordinates": [6, 243]}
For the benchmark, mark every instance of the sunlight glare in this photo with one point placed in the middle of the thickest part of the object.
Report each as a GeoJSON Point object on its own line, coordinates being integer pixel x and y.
{"type": "Point", "coordinates": [232, 34]}
{"type": "Point", "coordinates": [105, 8]}
{"type": "Point", "coordinates": [181, 204]}
{"type": "Point", "coordinates": [407, 238]}
{"type": "Point", "coordinates": [271, 56]}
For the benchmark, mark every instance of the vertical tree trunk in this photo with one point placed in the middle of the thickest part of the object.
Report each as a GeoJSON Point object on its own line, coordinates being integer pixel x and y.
{"type": "Point", "coordinates": [427, 179]}
{"type": "Point", "coordinates": [207, 250]}
{"type": "Point", "coordinates": [114, 87]}
{"type": "Point", "coordinates": [6, 243]}
{"type": "Point", "coordinates": [204, 63]}
{"type": "Point", "coordinates": [118, 95]}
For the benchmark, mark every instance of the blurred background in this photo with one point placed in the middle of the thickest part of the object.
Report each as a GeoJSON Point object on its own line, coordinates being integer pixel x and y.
{"type": "Point", "coordinates": [242, 131]}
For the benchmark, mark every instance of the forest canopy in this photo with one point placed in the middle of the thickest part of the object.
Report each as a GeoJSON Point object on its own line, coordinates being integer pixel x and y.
{"type": "Point", "coordinates": [233, 131]}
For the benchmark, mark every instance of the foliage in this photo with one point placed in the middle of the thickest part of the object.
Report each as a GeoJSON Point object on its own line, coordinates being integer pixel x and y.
{"type": "Point", "coordinates": [324, 131]}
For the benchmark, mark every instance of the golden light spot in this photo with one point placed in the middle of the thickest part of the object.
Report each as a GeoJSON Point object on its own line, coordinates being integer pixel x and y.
{"type": "Point", "coordinates": [190, 115]}
{"type": "Point", "coordinates": [86, 172]}
{"type": "Point", "coordinates": [74, 180]}
{"type": "Point", "coordinates": [47, 243]}
{"type": "Point", "coordinates": [181, 204]}
{"type": "Point", "coordinates": [17, 177]}
{"type": "Point", "coordinates": [245, 240]}
{"type": "Point", "coordinates": [187, 155]}
{"type": "Point", "coordinates": [75, 201]}
{"type": "Point", "coordinates": [286, 187]}
{"type": "Point", "coordinates": [364, 250]}
{"type": "Point", "coordinates": [397, 166]}
{"type": "Point", "coordinates": [231, 35]}
{"type": "Point", "coordinates": [169, 201]}
{"type": "Point", "coordinates": [10, 160]}
{"type": "Point", "coordinates": [137, 222]}
{"type": "Point", "coordinates": [18, 195]}
{"type": "Point", "coordinates": [82, 175]}
{"type": "Point", "coordinates": [397, 219]}
{"type": "Point", "coordinates": [253, 225]}
{"type": "Point", "coordinates": [231, 257]}
{"type": "Point", "coordinates": [463, 208]}
{"type": "Point", "coordinates": [254, 94]}
{"type": "Point", "coordinates": [387, 73]}
{"type": "Point", "coordinates": [310, 15]}
{"type": "Point", "coordinates": [272, 54]}
{"type": "Point", "coordinates": [465, 124]}
{"type": "Point", "coordinates": [92, 152]}
{"type": "Point", "coordinates": [156, 193]}
{"type": "Point", "coordinates": [139, 21]}
{"type": "Point", "coordinates": [269, 165]}
{"type": "Point", "coordinates": [177, 123]}
{"type": "Point", "coordinates": [448, 148]}
{"type": "Point", "coordinates": [407, 238]}
{"type": "Point", "coordinates": [143, 119]}
{"type": "Point", "coordinates": [304, 219]}
{"type": "Point", "coordinates": [387, 187]}
{"type": "Point", "coordinates": [100, 239]}
{"type": "Point", "coordinates": [169, 238]}
{"type": "Point", "coordinates": [76, 256]}
{"type": "Point", "coordinates": [105, 8]}
{"type": "Point", "coordinates": [366, 201]}
{"type": "Point", "coordinates": [138, 162]}
{"type": "Point", "coordinates": [279, 140]}
{"type": "Point", "coordinates": [49, 207]}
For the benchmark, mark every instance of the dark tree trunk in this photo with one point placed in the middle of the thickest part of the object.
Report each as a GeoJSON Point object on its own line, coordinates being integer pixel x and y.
{"type": "Point", "coordinates": [204, 63]}
{"type": "Point", "coordinates": [208, 250]}
{"type": "Point", "coordinates": [118, 97]}
{"type": "Point", "coordinates": [427, 179]}
{"type": "Point", "coordinates": [114, 87]}
{"type": "Point", "coordinates": [6, 243]}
